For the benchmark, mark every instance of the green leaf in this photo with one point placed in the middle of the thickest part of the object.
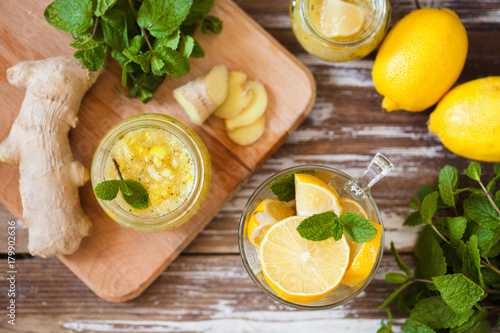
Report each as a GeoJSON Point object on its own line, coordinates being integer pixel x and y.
{"type": "Point", "coordinates": [472, 261]}
{"type": "Point", "coordinates": [114, 28]}
{"type": "Point", "coordinates": [481, 211]}
{"type": "Point", "coordinates": [142, 59]}
{"type": "Point", "coordinates": [126, 191]}
{"type": "Point", "coordinates": [413, 326]}
{"type": "Point", "coordinates": [486, 239]}
{"type": "Point", "coordinates": [92, 59]}
{"type": "Point", "coordinates": [456, 227]}
{"type": "Point", "coordinates": [74, 16]}
{"type": "Point", "coordinates": [337, 230]}
{"type": "Point", "coordinates": [103, 6]}
{"type": "Point", "coordinates": [414, 204]}
{"type": "Point", "coordinates": [448, 183]}
{"type": "Point", "coordinates": [497, 196]}
{"type": "Point", "coordinates": [146, 95]}
{"type": "Point", "coordinates": [172, 41]}
{"type": "Point", "coordinates": [107, 190]}
{"type": "Point", "coordinates": [357, 228]}
{"type": "Point", "coordinates": [175, 63]}
{"type": "Point", "coordinates": [436, 314]}
{"type": "Point", "coordinates": [396, 278]}
{"type": "Point", "coordinates": [136, 44]}
{"type": "Point", "coordinates": [473, 171]}
{"type": "Point", "coordinates": [431, 261]}
{"type": "Point", "coordinates": [400, 263]}
{"type": "Point", "coordinates": [199, 9]}
{"type": "Point", "coordinates": [284, 187]}
{"type": "Point", "coordinates": [475, 324]}
{"type": "Point", "coordinates": [386, 328]}
{"type": "Point", "coordinates": [162, 17]}
{"type": "Point", "coordinates": [496, 168]}
{"type": "Point", "coordinates": [197, 51]}
{"type": "Point", "coordinates": [157, 65]}
{"type": "Point", "coordinates": [469, 189]}
{"type": "Point", "coordinates": [458, 291]}
{"type": "Point", "coordinates": [212, 24]}
{"type": "Point", "coordinates": [139, 199]}
{"type": "Point", "coordinates": [186, 46]}
{"type": "Point", "coordinates": [414, 219]}
{"type": "Point", "coordinates": [317, 227]}
{"type": "Point", "coordinates": [84, 43]}
{"type": "Point", "coordinates": [429, 207]}
{"type": "Point", "coordinates": [491, 278]}
{"type": "Point", "coordinates": [393, 295]}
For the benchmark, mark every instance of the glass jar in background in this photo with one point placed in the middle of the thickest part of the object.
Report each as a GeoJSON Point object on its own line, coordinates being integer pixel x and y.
{"type": "Point", "coordinates": [201, 170]}
{"type": "Point", "coordinates": [360, 44]}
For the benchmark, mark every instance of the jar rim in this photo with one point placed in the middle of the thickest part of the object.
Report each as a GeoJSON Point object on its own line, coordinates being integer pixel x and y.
{"type": "Point", "coordinates": [188, 138]}
{"type": "Point", "coordinates": [380, 13]}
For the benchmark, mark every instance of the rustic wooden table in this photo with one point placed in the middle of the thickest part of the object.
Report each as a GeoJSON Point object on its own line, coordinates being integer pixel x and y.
{"type": "Point", "coordinates": [207, 289]}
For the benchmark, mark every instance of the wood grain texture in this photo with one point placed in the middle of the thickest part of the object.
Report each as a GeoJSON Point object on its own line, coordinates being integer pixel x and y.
{"type": "Point", "coordinates": [117, 263]}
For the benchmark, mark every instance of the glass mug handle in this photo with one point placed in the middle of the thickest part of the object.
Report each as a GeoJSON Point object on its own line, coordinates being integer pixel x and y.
{"type": "Point", "coordinates": [378, 168]}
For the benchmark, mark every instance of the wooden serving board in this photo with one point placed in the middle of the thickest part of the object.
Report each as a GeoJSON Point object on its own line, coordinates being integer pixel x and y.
{"type": "Point", "coordinates": [115, 262]}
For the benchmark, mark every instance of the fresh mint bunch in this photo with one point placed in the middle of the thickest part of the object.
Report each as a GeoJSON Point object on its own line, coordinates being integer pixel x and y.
{"type": "Point", "coordinates": [151, 39]}
{"type": "Point", "coordinates": [457, 277]}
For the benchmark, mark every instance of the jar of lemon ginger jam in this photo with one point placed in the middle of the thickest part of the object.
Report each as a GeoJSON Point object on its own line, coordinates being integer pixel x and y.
{"type": "Point", "coordinates": [340, 30]}
{"type": "Point", "coordinates": [167, 157]}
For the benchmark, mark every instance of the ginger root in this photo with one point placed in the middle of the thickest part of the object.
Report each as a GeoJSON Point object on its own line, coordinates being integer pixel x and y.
{"type": "Point", "coordinates": [246, 135]}
{"type": "Point", "coordinates": [200, 97]}
{"type": "Point", "coordinates": [38, 143]}
{"type": "Point", "coordinates": [239, 96]}
{"type": "Point", "coordinates": [253, 111]}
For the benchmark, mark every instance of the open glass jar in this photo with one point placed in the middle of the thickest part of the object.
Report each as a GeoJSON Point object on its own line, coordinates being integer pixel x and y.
{"type": "Point", "coordinates": [159, 149]}
{"type": "Point", "coordinates": [344, 186]}
{"type": "Point", "coordinates": [304, 18]}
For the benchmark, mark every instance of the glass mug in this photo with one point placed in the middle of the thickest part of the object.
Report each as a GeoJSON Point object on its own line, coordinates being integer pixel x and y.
{"type": "Point", "coordinates": [357, 189]}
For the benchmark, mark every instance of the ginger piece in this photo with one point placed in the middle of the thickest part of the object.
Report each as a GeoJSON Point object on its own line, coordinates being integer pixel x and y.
{"type": "Point", "coordinates": [253, 111]}
{"type": "Point", "coordinates": [246, 135]}
{"type": "Point", "coordinates": [38, 143]}
{"type": "Point", "coordinates": [200, 97]}
{"type": "Point", "coordinates": [238, 96]}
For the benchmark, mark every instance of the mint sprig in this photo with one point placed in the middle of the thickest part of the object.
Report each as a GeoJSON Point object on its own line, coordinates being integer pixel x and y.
{"type": "Point", "coordinates": [319, 227]}
{"type": "Point", "coordinates": [132, 191]}
{"type": "Point", "coordinates": [284, 187]}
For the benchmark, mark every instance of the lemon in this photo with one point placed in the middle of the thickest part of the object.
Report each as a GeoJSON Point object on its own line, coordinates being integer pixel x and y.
{"type": "Point", "coordinates": [299, 270]}
{"type": "Point", "coordinates": [467, 120]}
{"type": "Point", "coordinates": [341, 19]}
{"type": "Point", "coordinates": [267, 213]}
{"type": "Point", "coordinates": [350, 205]}
{"type": "Point", "coordinates": [420, 59]}
{"type": "Point", "coordinates": [313, 196]}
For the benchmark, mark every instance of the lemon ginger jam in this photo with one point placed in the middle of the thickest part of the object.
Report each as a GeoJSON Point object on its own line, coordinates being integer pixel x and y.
{"type": "Point", "coordinates": [164, 155]}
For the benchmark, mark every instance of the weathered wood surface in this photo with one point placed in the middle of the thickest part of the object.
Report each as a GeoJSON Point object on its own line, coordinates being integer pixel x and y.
{"type": "Point", "coordinates": [207, 289]}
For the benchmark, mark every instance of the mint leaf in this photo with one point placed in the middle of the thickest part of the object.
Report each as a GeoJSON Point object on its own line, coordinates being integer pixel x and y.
{"type": "Point", "coordinates": [393, 295]}
{"type": "Point", "coordinates": [448, 183]}
{"type": "Point", "coordinates": [142, 59]}
{"type": "Point", "coordinates": [136, 44]}
{"type": "Point", "coordinates": [74, 16]}
{"type": "Point", "coordinates": [469, 189]}
{"type": "Point", "coordinates": [139, 199]}
{"type": "Point", "coordinates": [473, 171]}
{"type": "Point", "coordinates": [175, 63]}
{"type": "Point", "coordinates": [496, 168]}
{"type": "Point", "coordinates": [146, 95]}
{"type": "Point", "coordinates": [337, 230]}
{"type": "Point", "coordinates": [414, 219]}
{"type": "Point", "coordinates": [197, 51]}
{"type": "Point", "coordinates": [162, 17]}
{"type": "Point", "coordinates": [107, 190]}
{"type": "Point", "coordinates": [172, 41]}
{"type": "Point", "coordinates": [92, 59]}
{"type": "Point", "coordinates": [497, 196]}
{"type": "Point", "coordinates": [199, 9]}
{"type": "Point", "coordinates": [126, 191]}
{"type": "Point", "coordinates": [431, 261]}
{"type": "Point", "coordinates": [386, 328]}
{"type": "Point", "coordinates": [475, 324]}
{"type": "Point", "coordinates": [414, 204]}
{"type": "Point", "coordinates": [357, 228]}
{"type": "Point", "coordinates": [284, 187]}
{"type": "Point", "coordinates": [436, 314]}
{"type": "Point", "coordinates": [458, 291]}
{"type": "Point", "coordinates": [480, 210]}
{"type": "Point", "coordinates": [400, 263]}
{"type": "Point", "coordinates": [486, 240]}
{"type": "Point", "coordinates": [429, 206]}
{"type": "Point", "coordinates": [413, 326]}
{"type": "Point", "coordinates": [211, 23]}
{"type": "Point", "coordinates": [492, 183]}
{"type": "Point", "coordinates": [186, 46]}
{"type": "Point", "coordinates": [472, 261]}
{"type": "Point", "coordinates": [103, 6]}
{"type": "Point", "coordinates": [84, 43]}
{"type": "Point", "coordinates": [456, 228]}
{"type": "Point", "coordinates": [318, 227]}
{"type": "Point", "coordinates": [114, 29]}
{"type": "Point", "coordinates": [157, 65]}
{"type": "Point", "coordinates": [396, 278]}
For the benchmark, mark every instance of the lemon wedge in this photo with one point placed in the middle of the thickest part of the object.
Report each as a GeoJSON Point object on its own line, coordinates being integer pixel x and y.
{"type": "Point", "coordinates": [313, 196]}
{"type": "Point", "coordinates": [299, 270]}
{"type": "Point", "coordinates": [341, 19]}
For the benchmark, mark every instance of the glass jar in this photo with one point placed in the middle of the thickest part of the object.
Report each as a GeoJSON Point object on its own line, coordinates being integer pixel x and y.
{"type": "Point", "coordinates": [345, 49]}
{"type": "Point", "coordinates": [202, 172]}
{"type": "Point", "coordinates": [357, 189]}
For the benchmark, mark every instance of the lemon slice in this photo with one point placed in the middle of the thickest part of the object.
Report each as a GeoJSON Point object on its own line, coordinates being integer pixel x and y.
{"type": "Point", "coordinates": [341, 19]}
{"type": "Point", "coordinates": [299, 270]}
{"type": "Point", "coordinates": [267, 213]}
{"type": "Point", "coordinates": [362, 255]}
{"type": "Point", "coordinates": [313, 196]}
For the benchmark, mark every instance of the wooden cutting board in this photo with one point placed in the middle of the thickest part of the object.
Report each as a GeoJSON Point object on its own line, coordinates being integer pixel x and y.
{"type": "Point", "coordinates": [115, 262]}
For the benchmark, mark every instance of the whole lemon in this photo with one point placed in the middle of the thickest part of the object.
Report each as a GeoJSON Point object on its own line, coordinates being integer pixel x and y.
{"type": "Point", "coordinates": [467, 119]}
{"type": "Point", "coordinates": [420, 59]}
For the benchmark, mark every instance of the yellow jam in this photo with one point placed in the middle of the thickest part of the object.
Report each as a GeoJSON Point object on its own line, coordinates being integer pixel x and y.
{"type": "Point", "coordinates": [160, 162]}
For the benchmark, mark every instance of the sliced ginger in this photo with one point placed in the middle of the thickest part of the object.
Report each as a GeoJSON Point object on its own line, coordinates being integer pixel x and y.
{"type": "Point", "coordinates": [200, 97]}
{"type": "Point", "coordinates": [246, 135]}
{"type": "Point", "coordinates": [253, 111]}
{"type": "Point", "coordinates": [238, 96]}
